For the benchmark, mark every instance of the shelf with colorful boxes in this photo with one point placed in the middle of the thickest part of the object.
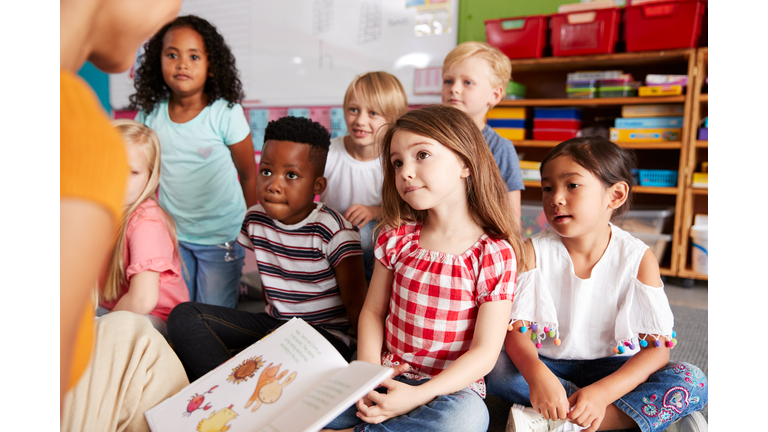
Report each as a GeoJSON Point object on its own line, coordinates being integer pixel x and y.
{"type": "Point", "coordinates": [649, 123]}
{"type": "Point", "coordinates": [509, 123]}
{"type": "Point", "coordinates": [551, 124]}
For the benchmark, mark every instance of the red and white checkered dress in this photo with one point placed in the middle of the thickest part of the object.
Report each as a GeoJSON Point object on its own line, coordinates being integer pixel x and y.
{"type": "Point", "coordinates": [435, 297]}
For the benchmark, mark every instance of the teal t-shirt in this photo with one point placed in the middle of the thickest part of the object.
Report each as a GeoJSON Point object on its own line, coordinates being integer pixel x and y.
{"type": "Point", "coordinates": [198, 180]}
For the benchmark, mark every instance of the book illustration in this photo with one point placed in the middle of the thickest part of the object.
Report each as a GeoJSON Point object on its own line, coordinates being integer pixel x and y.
{"type": "Point", "coordinates": [327, 386]}
{"type": "Point", "coordinates": [246, 369]}
{"type": "Point", "coordinates": [196, 401]}
{"type": "Point", "coordinates": [217, 422]}
{"type": "Point", "coordinates": [269, 389]}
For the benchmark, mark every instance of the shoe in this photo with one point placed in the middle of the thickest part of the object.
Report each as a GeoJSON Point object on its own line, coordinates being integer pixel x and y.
{"type": "Point", "coordinates": [527, 419]}
{"type": "Point", "coordinates": [694, 422]}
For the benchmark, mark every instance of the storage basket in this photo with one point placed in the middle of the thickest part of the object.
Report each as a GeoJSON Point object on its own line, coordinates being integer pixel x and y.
{"type": "Point", "coordinates": [662, 178]}
{"type": "Point", "coordinates": [520, 37]}
{"type": "Point", "coordinates": [663, 25]}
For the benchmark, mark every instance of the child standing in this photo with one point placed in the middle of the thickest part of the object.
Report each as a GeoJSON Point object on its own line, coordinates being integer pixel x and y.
{"type": "Point", "coordinates": [144, 272]}
{"type": "Point", "coordinates": [475, 76]}
{"type": "Point", "coordinates": [188, 92]}
{"type": "Point", "coordinates": [353, 169]}
{"type": "Point", "coordinates": [308, 255]}
{"type": "Point", "coordinates": [444, 277]}
{"type": "Point", "coordinates": [597, 293]}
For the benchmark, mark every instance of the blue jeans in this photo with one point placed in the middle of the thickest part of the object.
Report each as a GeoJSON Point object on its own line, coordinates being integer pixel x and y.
{"type": "Point", "coordinates": [368, 242]}
{"type": "Point", "coordinates": [213, 272]}
{"type": "Point", "coordinates": [672, 392]}
{"type": "Point", "coordinates": [463, 411]}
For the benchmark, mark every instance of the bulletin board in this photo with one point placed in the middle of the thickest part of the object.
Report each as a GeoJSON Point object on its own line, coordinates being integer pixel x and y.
{"type": "Point", "coordinates": [306, 52]}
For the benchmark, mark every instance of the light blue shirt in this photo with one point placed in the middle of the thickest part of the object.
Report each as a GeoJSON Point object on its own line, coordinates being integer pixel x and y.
{"type": "Point", "coordinates": [198, 182]}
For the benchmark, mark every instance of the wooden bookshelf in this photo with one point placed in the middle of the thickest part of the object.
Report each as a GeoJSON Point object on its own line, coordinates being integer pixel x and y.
{"type": "Point", "coordinates": [667, 145]}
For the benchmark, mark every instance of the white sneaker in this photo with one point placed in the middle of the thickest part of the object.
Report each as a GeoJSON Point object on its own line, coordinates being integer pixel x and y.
{"type": "Point", "coordinates": [694, 422]}
{"type": "Point", "coordinates": [527, 419]}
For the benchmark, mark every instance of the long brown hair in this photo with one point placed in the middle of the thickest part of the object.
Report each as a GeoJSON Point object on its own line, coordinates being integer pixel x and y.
{"type": "Point", "coordinates": [135, 134]}
{"type": "Point", "coordinates": [487, 195]}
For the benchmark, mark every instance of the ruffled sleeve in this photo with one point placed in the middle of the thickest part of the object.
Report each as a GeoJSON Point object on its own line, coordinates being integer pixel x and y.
{"type": "Point", "coordinates": [390, 241]}
{"type": "Point", "coordinates": [533, 303]}
{"type": "Point", "coordinates": [497, 273]}
{"type": "Point", "coordinates": [150, 248]}
{"type": "Point", "coordinates": [645, 310]}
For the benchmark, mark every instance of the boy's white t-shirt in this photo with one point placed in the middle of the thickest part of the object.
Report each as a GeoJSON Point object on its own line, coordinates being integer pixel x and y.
{"type": "Point", "coordinates": [350, 181]}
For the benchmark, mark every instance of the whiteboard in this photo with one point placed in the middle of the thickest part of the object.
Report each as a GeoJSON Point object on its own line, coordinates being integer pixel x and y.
{"type": "Point", "coordinates": [306, 52]}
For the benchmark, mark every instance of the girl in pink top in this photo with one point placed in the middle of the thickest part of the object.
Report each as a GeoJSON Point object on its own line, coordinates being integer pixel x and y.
{"type": "Point", "coordinates": [144, 274]}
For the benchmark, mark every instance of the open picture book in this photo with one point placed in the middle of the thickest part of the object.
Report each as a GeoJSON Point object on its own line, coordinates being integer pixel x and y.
{"type": "Point", "coordinates": [292, 380]}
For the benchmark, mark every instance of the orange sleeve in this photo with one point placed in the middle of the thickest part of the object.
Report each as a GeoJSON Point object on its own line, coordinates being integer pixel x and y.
{"type": "Point", "coordinates": [93, 167]}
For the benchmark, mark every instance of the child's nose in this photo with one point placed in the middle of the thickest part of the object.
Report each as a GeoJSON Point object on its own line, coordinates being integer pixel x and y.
{"type": "Point", "coordinates": [275, 186]}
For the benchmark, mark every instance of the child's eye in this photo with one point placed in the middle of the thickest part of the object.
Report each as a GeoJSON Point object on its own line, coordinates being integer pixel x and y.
{"type": "Point", "coordinates": [422, 155]}
{"type": "Point", "coordinates": [292, 176]}
{"type": "Point", "coordinates": [266, 173]}
{"type": "Point", "coordinates": [397, 164]}
{"type": "Point", "coordinates": [468, 82]}
{"type": "Point", "coordinates": [372, 114]}
{"type": "Point", "coordinates": [195, 57]}
{"type": "Point", "coordinates": [546, 189]}
{"type": "Point", "coordinates": [573, 185]}
{"type": "Point", "coordinates": [448, 81]}
{"type": "Point", "coordinates": [171, 55]}
{"type": "Point", "coordinates": [353, 110]}
{"type": "Point", "coordinates": [134, 172]}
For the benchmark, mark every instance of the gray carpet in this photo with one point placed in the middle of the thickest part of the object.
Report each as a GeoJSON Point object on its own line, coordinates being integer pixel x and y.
{"type": "Point", "coordinates": [692, 347]}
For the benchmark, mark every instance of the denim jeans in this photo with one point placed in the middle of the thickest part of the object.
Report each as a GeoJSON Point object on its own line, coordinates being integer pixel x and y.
{"type": "Point", "coordinates": [368, 242]}
{"type": "Point", "coordinates": [672, 392]}
{"type": "Point", "coordinates": [205, 336]}
{"type": "Point", "coordinates": [213, 272]}
{"type": "Point", "coordinates": [463, 411]}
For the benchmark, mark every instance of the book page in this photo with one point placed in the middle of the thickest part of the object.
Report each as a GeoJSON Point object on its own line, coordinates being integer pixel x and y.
{"type": "Point", "coordinates": [251, 389]}
{"type": "Point", "coordinates": [331, 398]}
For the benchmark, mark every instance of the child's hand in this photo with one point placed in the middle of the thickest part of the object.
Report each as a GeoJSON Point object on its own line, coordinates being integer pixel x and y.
{"type": "Point", "coordinates": [359, 215]}
{"type": "Point", "coordinates": [588, 408]}
{"type": "Point", "coordinates": [399, 399]}
{"type": "Point", "coordinates": [548, 397]}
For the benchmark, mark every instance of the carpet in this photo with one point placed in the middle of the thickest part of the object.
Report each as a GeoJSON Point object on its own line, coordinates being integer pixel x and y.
{"type": "Point", "coordinates": [691, 326]}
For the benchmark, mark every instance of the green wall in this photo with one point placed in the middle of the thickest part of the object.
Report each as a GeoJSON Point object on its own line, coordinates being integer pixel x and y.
{"type": "Point", "coordinates": [473, 13]}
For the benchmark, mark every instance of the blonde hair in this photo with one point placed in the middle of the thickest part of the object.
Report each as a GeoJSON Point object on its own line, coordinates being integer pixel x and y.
{"type": "Point", "coordinates": [135, 134]}
{"type": "Point", "coordinates": [500, 64]}
{"type": "Point", "coordinates": [487, 195]}
{"type": "Point", "coordinates": [382, 91]}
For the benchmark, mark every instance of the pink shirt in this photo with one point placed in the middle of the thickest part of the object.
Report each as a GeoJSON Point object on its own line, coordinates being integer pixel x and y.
{"type": "Point", "coordinates": [435, 296]}
{"type": "Point", "coordinates": [149, 246]}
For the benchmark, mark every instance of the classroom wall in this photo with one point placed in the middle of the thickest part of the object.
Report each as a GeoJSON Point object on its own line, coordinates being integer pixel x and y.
{"type": "Point", "coordinates": [99, 81]}
{"type": "Point", "coordinates": [473, 13]}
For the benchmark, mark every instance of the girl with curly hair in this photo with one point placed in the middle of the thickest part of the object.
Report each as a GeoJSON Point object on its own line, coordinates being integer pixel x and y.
{"type": "Point", "coordinates": [188, 91]}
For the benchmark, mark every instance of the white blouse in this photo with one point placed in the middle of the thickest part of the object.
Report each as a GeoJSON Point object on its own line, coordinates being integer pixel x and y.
{"type": "Point", "coordinates": [590, 318]}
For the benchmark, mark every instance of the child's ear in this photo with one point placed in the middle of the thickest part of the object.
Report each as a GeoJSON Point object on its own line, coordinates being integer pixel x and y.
{"type": "Point", "coordinates": [498, 94]}
{"type": "Point", "coordinates": [619, 193]}
{"type": "Point", "coordinates": [320, 185]}
{"type": "Point", "coordinates": [465, 172]}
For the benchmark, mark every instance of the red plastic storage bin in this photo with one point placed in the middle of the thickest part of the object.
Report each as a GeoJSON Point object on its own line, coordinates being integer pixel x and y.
{"type": "Point", "coordinates": [521, 37]}
{"type": "Point", "coordinates": [663, 25]}
{"type": "Point", "coordinates": [554, 134]}
{"type": "Point", "coordinates": [556, 124]}
{"type": "Point", "coordinates": [583, 33]}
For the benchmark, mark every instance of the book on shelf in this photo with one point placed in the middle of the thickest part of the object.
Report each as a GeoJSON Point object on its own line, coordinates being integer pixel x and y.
{"type": "Point", "coordinates": [291, 380]}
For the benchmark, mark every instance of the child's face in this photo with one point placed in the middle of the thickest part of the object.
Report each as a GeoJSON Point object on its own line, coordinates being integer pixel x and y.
{"type": "Point", "coordinates": [287, 183]}
{"type": "Point", "coordinates": [184, 61]}
{"type": "Point", "coordinates": [575, 201]}
{"type": "Point", "coordinates": [427, 173]}
{"type": "Point", "coordinates": [362, 121]}
{"type": "Point", "coordinates": [139, 173]}
{"type": "Point", "coordinates": [467, 86]}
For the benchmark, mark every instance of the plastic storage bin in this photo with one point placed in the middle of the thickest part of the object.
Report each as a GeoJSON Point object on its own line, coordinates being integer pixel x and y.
{"type": "Point", "coordinates": [554, 134]}
{"type": "Point", "coordinates": [662, 178]}
{"type": "Point", "coordinates": [663, 25]}
{"type": "Point", "coordinates": [646, 219]}
{"type": "Point", "coordinates": [521, 37]}
{"type": "Point", "coordinates": [657, 243]}
{"type": "Point", "coordinates": [532, 218]}
{"type": "Point", "coordinates": [584, 33]}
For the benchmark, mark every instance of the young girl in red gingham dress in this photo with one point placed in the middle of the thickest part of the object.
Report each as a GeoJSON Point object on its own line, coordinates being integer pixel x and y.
{"type": "Point", "coordinates": [441, 293]}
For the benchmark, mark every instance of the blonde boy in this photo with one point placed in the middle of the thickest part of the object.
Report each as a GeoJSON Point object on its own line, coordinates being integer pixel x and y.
{"type": "Point", "coordinates": [475, 76]}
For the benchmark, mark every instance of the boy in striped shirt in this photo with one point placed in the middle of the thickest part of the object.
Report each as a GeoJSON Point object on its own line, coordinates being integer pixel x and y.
{"type": "Point", "coordinates": [309, 258]}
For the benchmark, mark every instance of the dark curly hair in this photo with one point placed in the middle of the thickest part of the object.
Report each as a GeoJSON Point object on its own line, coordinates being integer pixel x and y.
{"type": "Point", "coordinates": [224, 84]}
{"type": "Point", "coordinates": [305, 131]}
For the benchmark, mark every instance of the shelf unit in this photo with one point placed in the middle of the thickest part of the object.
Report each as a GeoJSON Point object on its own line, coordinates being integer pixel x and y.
{"type": "Point", "coordinates": [545, 79]}
{"type": "Point", "coordinates": [695, 199]}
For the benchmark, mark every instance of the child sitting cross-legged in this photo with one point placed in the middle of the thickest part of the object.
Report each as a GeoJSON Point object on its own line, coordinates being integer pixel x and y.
{"type": "Point", "coordinates": [309, 258]}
